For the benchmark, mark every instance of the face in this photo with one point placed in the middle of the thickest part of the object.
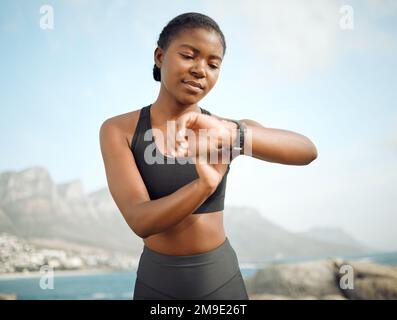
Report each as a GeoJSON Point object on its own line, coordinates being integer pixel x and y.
{"type": "Point", "coordinates": [190, 65]}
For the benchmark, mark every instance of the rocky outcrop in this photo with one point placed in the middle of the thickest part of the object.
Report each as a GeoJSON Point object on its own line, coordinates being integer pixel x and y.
{"type": "Point", "coordinates": [323, 280]}
{"type": "Point", "coordinates": [8, 296]}
{"type": "Point", "coordinates": [315, 278]}
{"type": "Point", "coordinates": [371, 281]}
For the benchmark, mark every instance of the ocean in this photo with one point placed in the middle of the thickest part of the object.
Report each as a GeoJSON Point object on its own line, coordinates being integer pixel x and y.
{"type": "Point", "coordinates": [112, 285]}
{"type": "Point", "coordinates": [98, 286]}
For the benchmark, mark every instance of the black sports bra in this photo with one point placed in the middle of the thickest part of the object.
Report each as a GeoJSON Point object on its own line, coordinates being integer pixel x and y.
{"type": "Point", "coordinates": [162, 177]}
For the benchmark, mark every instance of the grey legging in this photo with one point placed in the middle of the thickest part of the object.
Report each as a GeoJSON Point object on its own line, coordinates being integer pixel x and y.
{"type": "Point", "coordinates": [211, 275]}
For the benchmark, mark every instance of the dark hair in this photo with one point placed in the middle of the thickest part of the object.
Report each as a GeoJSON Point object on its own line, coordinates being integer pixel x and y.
{"type": "Point", "coordinates": [189, 20]}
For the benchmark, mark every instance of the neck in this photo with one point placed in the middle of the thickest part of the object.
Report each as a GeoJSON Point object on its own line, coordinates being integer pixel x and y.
{"type": "Point", "coordinates": [166, 107]}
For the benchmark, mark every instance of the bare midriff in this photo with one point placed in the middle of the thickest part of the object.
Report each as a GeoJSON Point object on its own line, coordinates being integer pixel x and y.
{"type": "Point", "coordinates": [197, 233]}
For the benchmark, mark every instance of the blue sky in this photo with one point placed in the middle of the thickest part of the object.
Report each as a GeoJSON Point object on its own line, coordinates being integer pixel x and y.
{"type": "Point", "coordinates": [288, 65]}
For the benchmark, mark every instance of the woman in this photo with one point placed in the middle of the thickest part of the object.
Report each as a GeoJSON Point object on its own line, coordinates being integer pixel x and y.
{"type": "Point", "coordinates": [175, 206]}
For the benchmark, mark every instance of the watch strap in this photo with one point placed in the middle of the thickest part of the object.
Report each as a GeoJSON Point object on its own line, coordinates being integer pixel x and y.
{"type": "Point", "coordinates": [238, 144]}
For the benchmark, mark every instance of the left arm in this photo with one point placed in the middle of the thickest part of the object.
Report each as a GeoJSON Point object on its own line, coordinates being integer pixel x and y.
{"type": "Point", "coordinates": [275, 145]}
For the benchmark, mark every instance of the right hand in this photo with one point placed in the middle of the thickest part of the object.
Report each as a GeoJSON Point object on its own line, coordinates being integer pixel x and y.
{"type": "Point", "coordinates": [210, 174]}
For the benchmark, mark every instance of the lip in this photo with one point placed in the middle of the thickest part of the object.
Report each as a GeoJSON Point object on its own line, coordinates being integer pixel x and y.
{"type": "Point", "coordinates": [194, 86]}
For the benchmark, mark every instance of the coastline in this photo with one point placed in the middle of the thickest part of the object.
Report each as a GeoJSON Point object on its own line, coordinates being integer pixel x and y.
{"type": "Point", "coordinates": [59, 273]}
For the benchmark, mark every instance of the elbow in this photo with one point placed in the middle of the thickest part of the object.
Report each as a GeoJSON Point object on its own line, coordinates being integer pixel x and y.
{"type": "Point", "coordinates": [311, 159]}
{"type": "Point", "coordinates": [137, 225]}
{"type": "Point", "coordinates": [307, 154]}
{"type": "Point", "coordinates": [312, 155]}
{"type": "Point", "coordinates": [142, 224]}
{"type": "Point", "coordinates": [139, 229]}
{"type": "Point", "coordinates": [140, 233]}
{"type": "Point", "coordinates": [143, 229]}
{"type": "Point", "coordinates": [315, 154]}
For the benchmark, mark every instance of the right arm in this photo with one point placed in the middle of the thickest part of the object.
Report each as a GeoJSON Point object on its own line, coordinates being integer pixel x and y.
{"type": "Point", "coordinates": [144, 216]}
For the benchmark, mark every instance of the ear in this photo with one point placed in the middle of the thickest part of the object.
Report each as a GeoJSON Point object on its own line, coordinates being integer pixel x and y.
{"type": "Point", "coordinates": [158, 57]}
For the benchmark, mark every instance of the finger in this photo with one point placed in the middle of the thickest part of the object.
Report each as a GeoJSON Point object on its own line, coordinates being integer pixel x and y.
{"type": "Point", "coordinates": [181, 152]}
{"type": "Point", "coordinates": [201, 121]}
{"type": "Point", "coordinates": [182, 123]}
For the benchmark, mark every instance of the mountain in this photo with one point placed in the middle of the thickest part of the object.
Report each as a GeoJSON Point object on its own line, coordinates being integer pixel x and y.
{"type": "Point", "coordinates": [252, 235]}
{"type": "Point", "coordinates": [33, 206]}
{"type": "Point", "coordinates": [332, 235]}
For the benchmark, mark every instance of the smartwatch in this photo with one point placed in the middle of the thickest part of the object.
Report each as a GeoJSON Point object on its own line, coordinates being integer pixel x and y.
{"type": "Point", "coordinates": [238, 144]}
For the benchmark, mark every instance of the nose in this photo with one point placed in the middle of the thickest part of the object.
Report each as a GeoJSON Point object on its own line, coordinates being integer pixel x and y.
{"type": "Point", "coordinates": [198, 69]}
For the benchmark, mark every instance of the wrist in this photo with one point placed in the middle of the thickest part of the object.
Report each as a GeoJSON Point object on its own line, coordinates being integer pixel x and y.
{"type": "Point", "coordinates": [232, 133]}
{"type": "Point", "coordinates": [205, 187]}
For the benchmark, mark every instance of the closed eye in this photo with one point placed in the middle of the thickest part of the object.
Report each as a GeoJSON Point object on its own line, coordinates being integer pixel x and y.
{"type": "Point", "coordinates": [186, 56]}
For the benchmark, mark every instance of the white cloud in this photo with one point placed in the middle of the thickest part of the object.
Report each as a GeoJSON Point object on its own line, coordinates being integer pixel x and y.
{"type": "Point", "coordinates": [295, 38]}
{"type": "Point", "coordinates": [380, 8]}
{"type": "Point", "coordinates": [292, 36]}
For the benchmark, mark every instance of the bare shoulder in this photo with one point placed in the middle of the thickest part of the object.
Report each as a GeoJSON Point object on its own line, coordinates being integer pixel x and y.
{"type": "Point", "coordinates": [123, 125]}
